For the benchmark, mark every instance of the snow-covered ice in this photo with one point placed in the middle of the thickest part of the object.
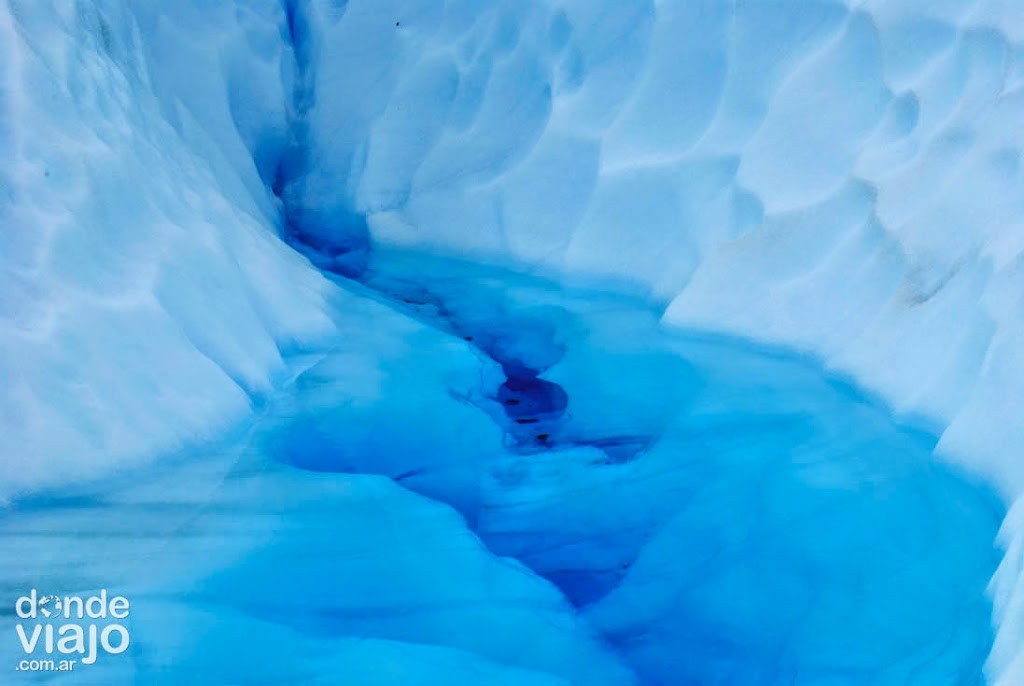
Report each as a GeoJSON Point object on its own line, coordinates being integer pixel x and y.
{"type": "Point", "coordinates": [824, 197]}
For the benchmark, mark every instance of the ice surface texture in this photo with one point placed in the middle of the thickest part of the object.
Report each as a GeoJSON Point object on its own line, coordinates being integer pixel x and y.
{"type": "Point", "coordinates": [699, 511]}
{"type": "Point", "coordinates": [844, 179]}
{"type": "Point", "coordinates": [145, 299]}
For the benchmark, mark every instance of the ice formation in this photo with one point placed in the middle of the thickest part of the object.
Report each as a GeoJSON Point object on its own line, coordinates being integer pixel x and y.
{"type": "Point", "coordinates": [840, 178]}
{"type": "Point", "coordinates": [146, 298]}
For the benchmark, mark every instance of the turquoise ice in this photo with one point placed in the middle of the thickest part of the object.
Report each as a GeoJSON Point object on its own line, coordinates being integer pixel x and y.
{"type": "Point", "coordinates": [517, 341]}
{"type": "Point", "coordinates": [510, 481]}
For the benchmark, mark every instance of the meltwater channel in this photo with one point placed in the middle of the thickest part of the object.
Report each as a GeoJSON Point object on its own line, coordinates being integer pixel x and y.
{"type": "Point", "coordinates": [538, 483]}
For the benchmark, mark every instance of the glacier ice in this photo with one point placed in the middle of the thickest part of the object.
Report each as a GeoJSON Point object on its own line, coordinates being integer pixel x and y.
{"type": "Point", "coordinates": [290, 577]}
{"type": "Point", "coordinates": [742, 519]}
{"type": "Point", "coordinates": [841, 179]}
{"type": "Point", "coordinates": [130, 197]}
{"type": "Point", "coordinates": [879, 140]}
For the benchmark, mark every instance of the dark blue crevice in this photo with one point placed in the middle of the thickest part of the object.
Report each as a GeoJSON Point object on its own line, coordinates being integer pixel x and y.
{"type": "Point", "coordinates": [335, 238]}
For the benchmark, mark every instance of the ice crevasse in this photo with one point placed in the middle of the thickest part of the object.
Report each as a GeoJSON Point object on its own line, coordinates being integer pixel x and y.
{"type": "Point", "coordinates": [840, 178]}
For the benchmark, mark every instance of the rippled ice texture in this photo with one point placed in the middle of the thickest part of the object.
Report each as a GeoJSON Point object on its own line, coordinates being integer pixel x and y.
{"type": "Point", "coordinates": [839, 177]}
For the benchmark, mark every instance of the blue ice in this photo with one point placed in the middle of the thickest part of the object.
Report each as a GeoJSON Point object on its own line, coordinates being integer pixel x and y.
{"type": "Point", "coordinates": [456, 473]}
{"type": "Point", "coordinates": [512, 481]}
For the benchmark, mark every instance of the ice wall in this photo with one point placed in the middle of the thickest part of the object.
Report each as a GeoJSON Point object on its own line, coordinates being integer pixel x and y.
{"type": "Point", "coordinates": [840, 177]}
{"type": "Point", "coordinates": [145, 297]}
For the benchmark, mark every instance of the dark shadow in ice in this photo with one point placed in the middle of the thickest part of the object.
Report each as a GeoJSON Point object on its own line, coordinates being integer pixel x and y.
{"type": "Point", "coordinates": [716, 512]}
{"type": "Point", "coordinates": [528, 400]}
{"type": "Point", "coordinates": [325, 226]}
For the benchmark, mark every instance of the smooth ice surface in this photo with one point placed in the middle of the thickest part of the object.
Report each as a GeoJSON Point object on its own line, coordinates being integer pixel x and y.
{"type": "Point", "coordinates": [842, 178]}
{"type": "Point", "coordinates": [271, 575]}
{"type": "Point", "coordinates": [650, 509]}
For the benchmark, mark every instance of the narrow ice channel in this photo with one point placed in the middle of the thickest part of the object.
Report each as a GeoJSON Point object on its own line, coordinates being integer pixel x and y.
{"type": "Point", "coordinates": [514, 481]}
